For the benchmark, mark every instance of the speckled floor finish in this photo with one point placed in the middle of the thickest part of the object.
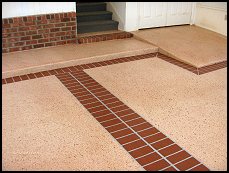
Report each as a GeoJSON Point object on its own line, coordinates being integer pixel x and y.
{"type": "Point", "coordinates": [190, 44]}
{"type": "Point", "coordinates": [189, 108]}
{"type": "Point", "coordinates": [46, 128]}
{"type": "Point", "coordinates": [19, 63]}
{"type": "Point", "coordinates": [118, 104]}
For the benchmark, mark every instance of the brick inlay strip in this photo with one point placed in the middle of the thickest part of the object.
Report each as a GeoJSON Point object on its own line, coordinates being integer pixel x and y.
{"type": "Point", "coordinates": [193, 69]}
{"type": "Point", "coordinates": [198, 71]}
{"type": "Point", "coordinates": [147, 145]}
{"type": "Point", "coordinates": [76, 68]}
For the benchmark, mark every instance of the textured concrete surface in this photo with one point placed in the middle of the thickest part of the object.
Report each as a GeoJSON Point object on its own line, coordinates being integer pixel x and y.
{"type": "Point", "coordinates": [46, 128]}
{"type": "Point", "coordinates": [19, 63]}
{"type": "Point", "coordinates": [98, 33]}
{"type": "Point", "coordinates": [190, 109]}
{"type": "Point", "coordinates": [191, 44]}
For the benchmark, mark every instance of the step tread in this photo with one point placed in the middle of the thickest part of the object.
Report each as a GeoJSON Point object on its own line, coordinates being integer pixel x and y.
{"type": "Point", "coordinates": [98, 22]}
{"type": "Point", "coordinates": [93, 13]}
{"type": "Point", "coordinates": [90, 3]}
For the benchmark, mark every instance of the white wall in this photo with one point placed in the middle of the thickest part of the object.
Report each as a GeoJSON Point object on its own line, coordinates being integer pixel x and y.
{"type": "Point", "coordinates": [132, 16]}
{"type": "Point", "coordinates": [126, 13]}
{"type": "Point", "coordinates": [119, 13]}
{"type": "Point", "coordinates": [14, 9]}
{"type": "Point", "coordinates": [211, 15]}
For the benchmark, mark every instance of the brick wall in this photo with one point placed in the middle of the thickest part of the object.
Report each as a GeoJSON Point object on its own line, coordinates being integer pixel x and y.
{"type": "Point", "coordinates": [30, 32]}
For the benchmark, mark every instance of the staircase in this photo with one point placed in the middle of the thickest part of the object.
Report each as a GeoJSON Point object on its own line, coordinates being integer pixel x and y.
{"type": "Point", "coordinates": [93, 17]}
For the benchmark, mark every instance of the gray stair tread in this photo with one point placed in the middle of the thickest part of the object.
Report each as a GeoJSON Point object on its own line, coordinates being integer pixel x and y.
{"type": "Point", "coordinates": [98, 22]}
{"type": "Point", "coordinates": [92, 3]}
{"type": "Point", "coordinates": [93, 13]}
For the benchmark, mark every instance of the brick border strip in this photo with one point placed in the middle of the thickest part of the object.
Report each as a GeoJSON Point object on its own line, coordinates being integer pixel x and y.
{"type": "Point", "coordinates": [152, 149]}
{"type": "Point", "coordinates": [196, 70]}
{"type": "Point", "coordinates": [193, 69]}
{"type": "Point", "coordinates": [76, 68]}
{"type": "Point", "coordinates": [104, 37]}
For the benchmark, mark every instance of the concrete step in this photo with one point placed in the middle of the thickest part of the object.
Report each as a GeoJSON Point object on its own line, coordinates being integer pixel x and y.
{"type": "Point", "coordinates": [93, 26]}
{"type": "Point", "coordinates": [88, 7]}
{"type": "Point", "coordinates": [35, 60]}
{"type": "Point", "coordinates": [93, 16]}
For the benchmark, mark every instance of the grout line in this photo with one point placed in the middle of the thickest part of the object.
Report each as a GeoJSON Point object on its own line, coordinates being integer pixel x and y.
{"type": "Point", "coordinates": [98, 111]}
{"type": "Point", "coordinates": [113, 102]}
{"type": "Point", "coordinates": [89, 103]}
{"type": "Point", "coordinates": [107, 120]}
{"type": "Point", "coordinates": [126, 115]}
{"type": "Point", "coordinates": [151, 135]}
{"type": "Point", "coordinates": [122, 110]}
{"type": "Point", "coordinates": [139, 124]}
{"type": "Point", "coordinates": [127, 124]}
{"type": "Point", "coordinates": [159, 140]}
{"type": "Point", "coordinates": [183, 160]}
{"type": "Point", "coordinates": [131, 141]}
{"type": "Point", "coordinates": [119, 130]}
{"type": "Point", "coordinates": [124, 136]}
{"type": "Point", "coordinates": [145, 129]}
{"type": "Point", "coordinates": [146, 155]}
{"type": "Point", "coordinates": [193, 167]}
{"type": "Point", "coordinates": [175, 153]}
{"type": "Point", "coordinates": [164, 168]}
{"type": "Point", "coordinates": [99, 92]}
{"type": "Point", "coordinates": [103, 115]}
{"type": "Point", "coordinates": [152, 162]}
{"type": "Point", "coordinates": [93, 107]}
{"type": "Point", "coordinates": [133, 119]}
{"type": "Point", "coordinates": [166, 146]}
{"type": "Point", "coordinates": [138, 148]}
{"type": "Point", "coordinates": [113, 125]}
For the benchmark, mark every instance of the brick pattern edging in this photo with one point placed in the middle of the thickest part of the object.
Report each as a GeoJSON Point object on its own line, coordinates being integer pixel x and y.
{"type": "Point", "coordinates": [147, 145]}
{"type": "Point", "coordinates": [195, 70]}
{"type": "Point", "coordinates": [36, 31]}
{"type": "Point", "coordinates": [198, 71]}
{"type": "Point", "coordinates": [76, 68]}
{"type": "Point", "coordinates": [152, 149]}
{"type": "Point", "coordinates": [104, 37]}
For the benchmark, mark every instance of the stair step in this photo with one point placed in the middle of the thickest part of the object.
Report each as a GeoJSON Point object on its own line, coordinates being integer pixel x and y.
{"type": "Point", "coordinates": [95, 15]}
{"type": "Point", "coordinates": [88, 7]}
{"type": "Point", "coordinates": [94, 26]}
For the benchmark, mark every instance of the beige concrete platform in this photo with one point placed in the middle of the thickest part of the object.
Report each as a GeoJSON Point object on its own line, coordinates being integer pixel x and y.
{"type": "Point", "coordinates": [190, 109]}
{"type": "Point", "coordinates": [46, 128]}
{"type": "Point", "coordinates": [98, 33]}
{"type": "Point", "coordinates": [190, 44]}
{"type": "Point", "coordinates": [19, 63]}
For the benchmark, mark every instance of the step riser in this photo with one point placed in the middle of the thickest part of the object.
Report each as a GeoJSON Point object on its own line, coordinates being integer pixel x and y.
{"type": "Point", "coordinates": [85, 29]}
{"type": "Point", "coordinates": [88, 8]}
{"type": "Point", "coordinates": [94, 17]}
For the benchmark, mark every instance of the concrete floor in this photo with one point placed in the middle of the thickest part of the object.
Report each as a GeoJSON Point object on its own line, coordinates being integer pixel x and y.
{"type": "Point", "coordinates": [43, 127]}
{"type": "Point", "coordinates": [24, 62]}
{"type": "Point", "coordinates": [190, 109]}
{"type": "Point", "coordinates": [48, 129]}
{"type": "Point", "coordinates": [190, 44]}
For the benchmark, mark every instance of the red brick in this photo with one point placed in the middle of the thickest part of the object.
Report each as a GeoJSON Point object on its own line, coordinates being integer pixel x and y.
{"type": "Point", "coordinates": [19, 44]}
{"type": "Point", "coordinates": [26, 38]}
{"type": "Point", "coordinates": [156, 166]}
{"type": "Point", "coordinates": [14, 49]}
{"type": "Point", "coordinates": [27, 47]}
{"type": "Point", "coordinates": [38, 45]}
{"type": "Point", "coordinates": [31, 42]}
{"type": "Point", "coordinates": [43, 40]}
